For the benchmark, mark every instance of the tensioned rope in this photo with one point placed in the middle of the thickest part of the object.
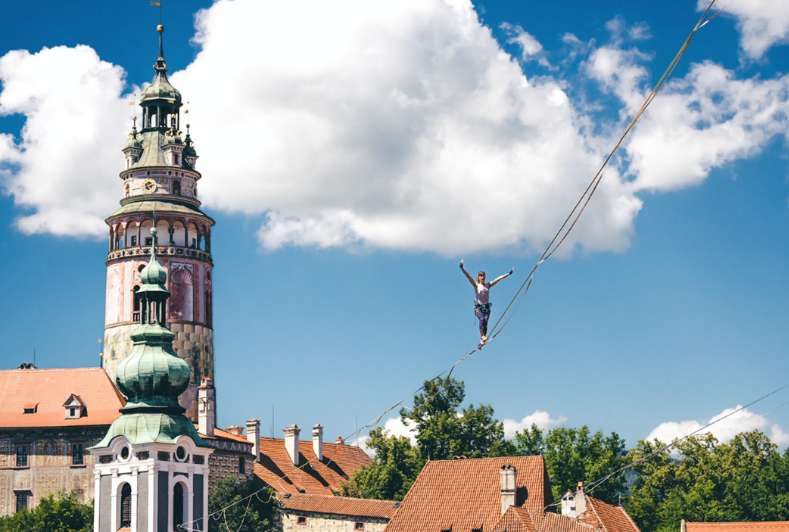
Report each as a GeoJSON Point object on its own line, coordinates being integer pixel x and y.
{"type": "Point", "coordinates": [565, 229]}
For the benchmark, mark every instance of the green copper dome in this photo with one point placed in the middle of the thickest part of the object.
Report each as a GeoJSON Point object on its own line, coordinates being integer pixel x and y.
{"type": "Point", "coordinates": [153, 276]}
{"type": "Point", "coordinates": [134, 139]}
{"type": "Point", "coordinates": [160, 88]}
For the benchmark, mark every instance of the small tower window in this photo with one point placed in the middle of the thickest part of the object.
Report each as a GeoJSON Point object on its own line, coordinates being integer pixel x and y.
{"type": "Point", "coordinates": [126, 506]}
{"type": "Point", "coordinates": [177, 188]}
{"type": "Point", "coordinates": [175, 159]}
{"type": "Point", "coordinates": [242, 463]}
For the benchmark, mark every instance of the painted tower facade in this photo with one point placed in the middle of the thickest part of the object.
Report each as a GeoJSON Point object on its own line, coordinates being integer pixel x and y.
{"type": "Point", "coordinates": [160, 191]}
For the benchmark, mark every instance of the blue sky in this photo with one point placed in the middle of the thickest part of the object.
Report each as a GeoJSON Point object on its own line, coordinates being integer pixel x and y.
{"type": "Point", "coordinates": [353, 153]}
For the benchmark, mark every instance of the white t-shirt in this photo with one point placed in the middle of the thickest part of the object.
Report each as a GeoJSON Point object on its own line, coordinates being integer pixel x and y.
{"type": "Point", "coordinates": [483, 293]}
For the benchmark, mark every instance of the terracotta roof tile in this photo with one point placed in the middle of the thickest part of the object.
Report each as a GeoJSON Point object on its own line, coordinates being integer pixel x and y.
{"type": "Point", "coordinates": [50, 388]}
{"type": "Point", "coordinates": [326, 504]}
{"type": "Point", "coordinates": [611, 518]}
{"type": "Point", "coordinates": [515, 520]}
{"type": "Point", "coordinates": [311, 476]}
{"type": "Point", "coordinates": [465, 495]}
{"type": "Point", "coordinates": [764, 526]}
{"type": "Point", "coordinates": [549, 522]}
{"type": "Point", "coordinates": [220, 434]}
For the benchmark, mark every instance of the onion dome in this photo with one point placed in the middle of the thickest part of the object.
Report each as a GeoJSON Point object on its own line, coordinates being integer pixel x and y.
{"type": "Point", "coordinates": [161, 89]}
{"type": "Point", "coordinates": [154, 273]}
{"type": "Point", "coordinates": [189, 149]}
{"type": "Point", "coordinates": [134, 138]}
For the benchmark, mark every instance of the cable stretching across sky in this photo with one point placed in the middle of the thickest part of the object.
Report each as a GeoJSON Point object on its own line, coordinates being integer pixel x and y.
{"type": "Point", "coordinates": [566, 228]}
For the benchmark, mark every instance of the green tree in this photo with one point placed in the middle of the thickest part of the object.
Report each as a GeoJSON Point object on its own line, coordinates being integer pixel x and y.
{"type": "Point", "coordinates": [573, 455]}
{"type": "Point", "coordinates": [395, 467]}
{"type": "Point", "coordinates": [244, 511]}
{"type": "Point", "coordinates": [55, 513]}
{"type": "Point", "coordinates": [744, 480]}
{"type": "Point", "coordinates": [442, 430]}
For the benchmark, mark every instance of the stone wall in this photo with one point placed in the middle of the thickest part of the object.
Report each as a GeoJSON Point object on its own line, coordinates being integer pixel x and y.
{"type": "Point", "coordinates": [331, 522]}
{"type": "Point", "coordinates": [49, 467]}
{"type": "Point", "coordinates": [224, 464]}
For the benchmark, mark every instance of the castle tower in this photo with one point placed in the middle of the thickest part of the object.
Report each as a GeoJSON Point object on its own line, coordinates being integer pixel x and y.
{"type": "Point", "coordinates": [160, 191]}
{"type": "Point", "coordinates": [151, 471]}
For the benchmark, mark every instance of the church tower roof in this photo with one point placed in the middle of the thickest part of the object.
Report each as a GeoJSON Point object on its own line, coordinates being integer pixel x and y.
{"type": "Point", "coordinates": [161, 89]}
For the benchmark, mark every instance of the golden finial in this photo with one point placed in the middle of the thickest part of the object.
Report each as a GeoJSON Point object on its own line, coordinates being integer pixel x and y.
{"type": "Point", "coordinates": [160, 28]}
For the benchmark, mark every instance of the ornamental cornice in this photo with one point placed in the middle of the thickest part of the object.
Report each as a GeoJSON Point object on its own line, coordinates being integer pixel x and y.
{"type": "Point", "coordinates": [159, 171]}
{"type": "Point", "coordinates": [162, 251]}
{"type": "Point", "coordinates": [154, 197]}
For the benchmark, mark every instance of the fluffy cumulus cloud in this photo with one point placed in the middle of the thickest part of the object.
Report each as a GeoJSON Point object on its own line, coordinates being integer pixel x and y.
{"type": "Point", "coordinates": [541, 418]}
{"type": "Point", "coordinates": [63, 167]}
{"type": "Point", "coordinates": [401, 125]}
{"type": "Point", "coordinates": [724, 431]}
{"type": "Point", "coordinates": [394, 426]}
{"type": "Point", "coordinates": [762, 23]}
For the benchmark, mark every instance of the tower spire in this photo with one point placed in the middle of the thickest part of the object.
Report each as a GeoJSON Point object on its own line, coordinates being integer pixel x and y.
{"type": "Point", "coordinates": [160, 66]}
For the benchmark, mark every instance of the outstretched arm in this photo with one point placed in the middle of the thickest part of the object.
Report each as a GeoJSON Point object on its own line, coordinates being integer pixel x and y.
{"type": "Point", "coordinates": [497, 279]}
{"type": "Point", "coordinates": [470, 279]}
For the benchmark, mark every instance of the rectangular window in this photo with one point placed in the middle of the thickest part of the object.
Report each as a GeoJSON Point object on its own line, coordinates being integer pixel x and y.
{"type": "Point", "coordinates": [358, 525]}
{"type": "Point", "coordinates": [21, 500]}
{"type": "Point", "coordinates": [77, 454]}
{"type": "Point", "coordinates": [21, 456]}
{"type": "Point", "coordinates": [72, 412]}
{"type": "Point", "coordinates": [133, 241]}
{"type": "Point", "coordinates": [301, 520]}
{"type": "Point", "coordinates": [148, 241]}
{"type": "Point", "coordinates": [242, 466]}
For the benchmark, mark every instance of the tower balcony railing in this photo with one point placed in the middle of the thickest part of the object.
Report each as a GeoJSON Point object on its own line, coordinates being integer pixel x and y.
{"type": "Point", "coordinates": [167, 251]}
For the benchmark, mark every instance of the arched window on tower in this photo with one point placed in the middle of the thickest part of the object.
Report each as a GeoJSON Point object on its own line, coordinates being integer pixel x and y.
{"type": "Point", "coordinates": [126, 191]}
{"type": "Point", "coordinates": [126, 513]}
{"type": "Point", "coordinates": [177, 188]}
{"type": "Point", "coordinates": [137, 305]}
{"type": "Point", "coordinates": [178, 506]}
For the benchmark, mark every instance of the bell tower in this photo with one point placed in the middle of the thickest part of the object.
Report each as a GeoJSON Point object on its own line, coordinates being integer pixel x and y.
{"type": "Point", "coordinates": [159, 183]}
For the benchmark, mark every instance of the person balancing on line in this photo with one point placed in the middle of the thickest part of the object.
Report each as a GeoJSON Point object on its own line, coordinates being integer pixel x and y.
{"type": "Point", "coordinates": [482, 300]}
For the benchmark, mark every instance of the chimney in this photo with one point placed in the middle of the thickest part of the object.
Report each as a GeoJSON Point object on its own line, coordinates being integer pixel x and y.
{"type": "Point", "coordinates": [317, 441]}
{"type": "Point", "coordinates": [508, 487]}
{"type": "Point", "coordinates": [205, 407]}
{"type": "Point", "coordinates": [682, 527]}
{"type": "Point", "coordinates": [253, 435]}
{"type": "Point", "coordinates": [235, 429]}
{"type": "Point", "coordinates": [340, 441]}
{"type": "Point", "coordinates": [580, 500]}
{"type": "Point", "coordinates": [292, 442]}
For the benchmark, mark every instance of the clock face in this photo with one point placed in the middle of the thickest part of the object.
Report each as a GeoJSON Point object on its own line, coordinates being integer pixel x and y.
{"type": "Point", "coordinates": [149, 186]}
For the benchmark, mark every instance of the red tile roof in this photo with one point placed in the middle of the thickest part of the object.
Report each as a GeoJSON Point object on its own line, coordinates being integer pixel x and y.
{"type": "Point", "coordinates": [608, 517]}
{"type": "Point", "coordinates": [311, 476]}
{"type": "Point", "coordinates": [50, 388]}
{"type": "Point", "coordinates": [549, 522]}
{"type": "Point", "coordinates": [764, 526]}
{"type": "Point", "coordinates": [326, 504]}
{"type": "Point", "coordinates": [464, 495]}
{"type": "Point", "coordinates": [220, 434]}
{"type": "Point", "coordinates": [515, 520]}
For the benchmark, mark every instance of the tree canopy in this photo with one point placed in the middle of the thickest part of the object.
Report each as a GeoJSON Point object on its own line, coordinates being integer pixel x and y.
{"type": "Point", "coordinates": [248, 513]}
{"type": "Point", "coordinates": [61, 512]}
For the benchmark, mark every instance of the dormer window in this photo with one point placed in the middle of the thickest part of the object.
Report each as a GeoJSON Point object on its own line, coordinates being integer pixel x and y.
{"type": "Point", "coordinates": [31, 408]}
{"type": "Point", "coordinates": [75, 407]}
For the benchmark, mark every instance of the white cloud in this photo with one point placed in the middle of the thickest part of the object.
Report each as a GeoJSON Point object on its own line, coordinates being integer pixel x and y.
{"type": "Point", "coordinates": [394, 427]}
{"type": "Point", "coordinates": [530, 46]}
{"type": "Point", "coordinates": [63, 167]}
{"type": "Point", "coordinates": [761, 23]}
{"type": "Point", "coordinates": [724, 431]}
{"type": "Point", "coordinates": [401, 125]}
{"type": "Point", "coordinates": [542, 419]}
{"type": "Point", "coordinates": [698, 122]}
